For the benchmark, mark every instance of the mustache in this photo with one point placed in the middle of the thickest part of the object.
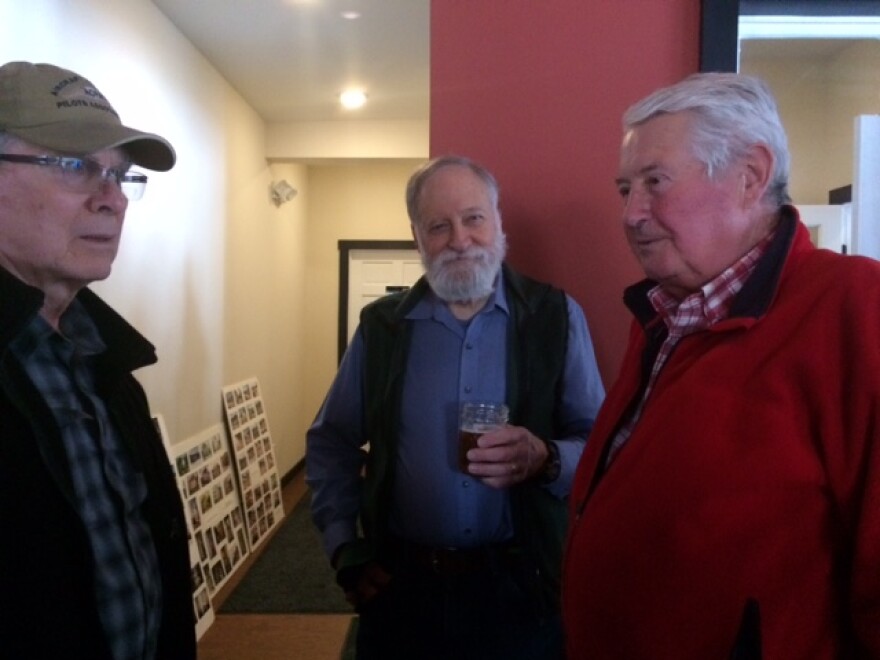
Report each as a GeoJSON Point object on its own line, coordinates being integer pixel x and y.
{"type": "Point", "coordinates": [473, 252]}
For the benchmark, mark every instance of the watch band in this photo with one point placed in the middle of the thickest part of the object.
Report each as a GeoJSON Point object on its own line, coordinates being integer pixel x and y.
{"type": "Point", "coordinates": [552, 466]}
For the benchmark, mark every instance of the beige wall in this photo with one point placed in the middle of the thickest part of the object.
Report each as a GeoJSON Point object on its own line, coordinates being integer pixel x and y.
{"type": "Point", "coordinates": [354, 201]}
{"type": "Point", "coordinates": [348, 139]}
{"type": "Point", "coordinates": [225, 284]}
{"type": "Point", "coordinates": [819, 95]}
{"type": "Point", "coordinates": [854, 89]}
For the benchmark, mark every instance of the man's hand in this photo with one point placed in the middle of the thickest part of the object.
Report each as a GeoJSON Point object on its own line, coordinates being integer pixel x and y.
{"type": "Point", "coordinates": [507, 456]}
{"type": "Point", "coordinates": [363, 583]}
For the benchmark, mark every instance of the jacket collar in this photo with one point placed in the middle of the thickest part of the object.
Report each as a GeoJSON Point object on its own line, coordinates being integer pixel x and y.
{"type": "Point", "coordinates": [18, 304]}
{"type": "Point", "coordinates": [127, 349]}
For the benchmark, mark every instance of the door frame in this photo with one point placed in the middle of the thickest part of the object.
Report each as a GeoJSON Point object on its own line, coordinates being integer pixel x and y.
{"type": "Point", "coordinates": [345, 247]}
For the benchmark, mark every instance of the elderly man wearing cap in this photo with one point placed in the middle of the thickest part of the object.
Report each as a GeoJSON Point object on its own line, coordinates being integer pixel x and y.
{"type": "Point", "coordinates": [93, 560]}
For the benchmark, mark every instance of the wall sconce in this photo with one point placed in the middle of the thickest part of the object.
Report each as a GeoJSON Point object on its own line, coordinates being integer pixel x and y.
{"type": "Point", "coordinates": [281, 192]}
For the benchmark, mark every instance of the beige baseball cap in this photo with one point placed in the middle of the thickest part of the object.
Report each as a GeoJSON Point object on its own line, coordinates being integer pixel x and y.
{"type": "Point", "coordinates": [60, 110]}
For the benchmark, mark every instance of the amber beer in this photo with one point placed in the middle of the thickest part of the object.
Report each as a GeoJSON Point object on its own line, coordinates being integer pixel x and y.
{"type": "Point", "coordinates": [475, 420]}
{"type": "Point", "coordinates": [467, 440]}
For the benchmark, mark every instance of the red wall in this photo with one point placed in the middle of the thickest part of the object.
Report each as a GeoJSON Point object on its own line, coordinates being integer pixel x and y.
{"type": "Point", "coordinates": [534, 90]}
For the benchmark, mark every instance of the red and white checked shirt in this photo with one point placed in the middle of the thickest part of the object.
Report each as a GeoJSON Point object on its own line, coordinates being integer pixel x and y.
{"type": "Point", "coordinates": [696, 312]}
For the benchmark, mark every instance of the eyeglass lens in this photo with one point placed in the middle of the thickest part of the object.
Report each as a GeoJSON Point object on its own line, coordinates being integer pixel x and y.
{"type": "Point", "coordinates": [84, 174]}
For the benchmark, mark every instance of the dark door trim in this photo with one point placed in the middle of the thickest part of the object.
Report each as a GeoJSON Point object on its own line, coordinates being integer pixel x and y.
{"type": "Point", "coordinates": [344, 248]}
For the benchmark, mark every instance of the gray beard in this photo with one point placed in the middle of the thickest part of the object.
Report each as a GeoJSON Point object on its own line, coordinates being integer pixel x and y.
{"type": "Point", "coordinates": [464, 277]}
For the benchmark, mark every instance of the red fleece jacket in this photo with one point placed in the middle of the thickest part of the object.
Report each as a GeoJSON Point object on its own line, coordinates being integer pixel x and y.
{"type": "Point", "coordinates": [754, 473]}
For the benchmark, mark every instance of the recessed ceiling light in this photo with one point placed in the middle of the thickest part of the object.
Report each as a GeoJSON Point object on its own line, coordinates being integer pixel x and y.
{"type": "Point", "coordinates": [352, 98]}
{"type": "Point", "coordinates": [350, 14]}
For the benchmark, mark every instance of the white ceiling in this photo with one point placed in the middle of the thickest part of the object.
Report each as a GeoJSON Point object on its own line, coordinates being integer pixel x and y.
{"type": "Point", "coordinates": [290, 59]}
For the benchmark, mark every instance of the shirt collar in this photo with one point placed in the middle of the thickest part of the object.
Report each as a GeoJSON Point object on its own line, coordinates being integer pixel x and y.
{"type": "Point", "coordinates": [79, 328]}
{"type": "Point", "coordinates": [75, 325]}
{"type": "Point", "coordinates": [712, 302]}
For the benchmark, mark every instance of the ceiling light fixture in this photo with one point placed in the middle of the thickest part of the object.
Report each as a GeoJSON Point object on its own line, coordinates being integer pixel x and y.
{"type": "Point", "coordinates": [350, 14]}
{"type": "Point", "coordinates": [352, 99]}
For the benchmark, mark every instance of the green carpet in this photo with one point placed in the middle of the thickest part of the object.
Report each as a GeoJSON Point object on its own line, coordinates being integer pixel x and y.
{"type": "Point", "coordinates": [291, 576]}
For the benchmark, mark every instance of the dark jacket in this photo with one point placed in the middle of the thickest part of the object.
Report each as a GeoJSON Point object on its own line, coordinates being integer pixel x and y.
{"type": "Point", "coordinates": [46, 587]}
{"type": "Point", "coordinates": [538, 332]}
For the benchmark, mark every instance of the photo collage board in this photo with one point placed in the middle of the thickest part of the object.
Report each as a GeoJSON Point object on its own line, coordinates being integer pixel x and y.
{"type": "Point", "coordinates": [254, 454]}
{"type": "Point", "coordinates": [218, 540]}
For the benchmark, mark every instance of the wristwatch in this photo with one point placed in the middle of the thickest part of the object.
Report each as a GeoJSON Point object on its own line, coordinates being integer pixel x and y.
{"type": "Point", "coordinates": [552, 466]}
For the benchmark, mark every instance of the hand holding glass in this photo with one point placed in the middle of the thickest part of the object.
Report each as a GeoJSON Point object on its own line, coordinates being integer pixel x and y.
{"type": "Point", "coordinates": [475, 420]}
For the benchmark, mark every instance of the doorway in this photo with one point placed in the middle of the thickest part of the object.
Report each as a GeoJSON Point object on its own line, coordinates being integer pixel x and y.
{"type": "Point", "coordinates": [367, 271]}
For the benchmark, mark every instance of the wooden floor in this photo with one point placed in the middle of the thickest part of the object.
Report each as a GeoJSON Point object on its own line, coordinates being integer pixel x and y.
{"type": "Point", "coordinates": [273, 636]}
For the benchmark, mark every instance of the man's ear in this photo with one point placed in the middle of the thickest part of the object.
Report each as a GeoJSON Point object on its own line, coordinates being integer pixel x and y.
{"type": "Point", "coordinates": [758, 170]}
{"type": "Point", "coordinates": [415, 236]}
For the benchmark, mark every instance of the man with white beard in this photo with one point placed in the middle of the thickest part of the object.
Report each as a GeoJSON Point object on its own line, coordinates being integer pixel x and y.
{"type": "Point", "coordinates": [440, 562]}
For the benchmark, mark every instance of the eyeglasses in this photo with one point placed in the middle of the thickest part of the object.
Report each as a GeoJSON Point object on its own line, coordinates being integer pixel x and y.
{"type": "Point", "coordinates": [85, 175]}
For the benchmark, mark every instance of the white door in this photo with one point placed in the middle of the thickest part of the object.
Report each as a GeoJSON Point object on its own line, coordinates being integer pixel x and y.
{"type": "Point", "coordinates": [866, 192]}
{"type": "Point", "coordinates": [828, 225]}
{"type": "Point", "coordinates": [373, 273]}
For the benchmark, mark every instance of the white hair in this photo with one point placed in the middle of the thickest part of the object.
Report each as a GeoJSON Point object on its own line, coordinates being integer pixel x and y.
{"type": "Point", "coordinates": [731, 113]}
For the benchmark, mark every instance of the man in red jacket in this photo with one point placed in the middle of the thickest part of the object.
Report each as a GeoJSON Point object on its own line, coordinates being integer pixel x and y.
{"type": "Point", "coordinates": [728, 502]}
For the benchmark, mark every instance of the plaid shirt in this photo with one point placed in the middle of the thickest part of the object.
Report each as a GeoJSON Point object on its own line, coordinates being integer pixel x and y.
{"type": "Point", "coordinates": [698, 311]}
{"type": "Point", "coordinates": [108, 490]}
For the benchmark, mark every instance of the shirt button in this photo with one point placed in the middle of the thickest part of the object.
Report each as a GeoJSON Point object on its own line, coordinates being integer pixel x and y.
{"type": "Point", "coordinates": [465, 484]}
{"type": "Point", "coordinates": [467, 389]}
{"type": "Point", "coordinates": [469, 346]}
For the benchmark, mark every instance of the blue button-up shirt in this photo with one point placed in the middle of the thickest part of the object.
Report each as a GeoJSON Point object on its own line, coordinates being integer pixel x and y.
{"type": "Point", "coordinates": [449, 362]}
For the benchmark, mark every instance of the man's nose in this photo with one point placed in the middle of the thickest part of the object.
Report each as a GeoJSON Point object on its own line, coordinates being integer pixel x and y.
{"type": "Point", "coordinates": [460, 238]}
{"type": "Point", "coordinates": [108, 194]}
{"type": "Point", "coordinates": [636, 207]}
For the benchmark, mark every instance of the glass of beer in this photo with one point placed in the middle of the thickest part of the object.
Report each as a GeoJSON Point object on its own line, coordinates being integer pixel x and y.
{"type": "Point", "coordinates": [476, 419]}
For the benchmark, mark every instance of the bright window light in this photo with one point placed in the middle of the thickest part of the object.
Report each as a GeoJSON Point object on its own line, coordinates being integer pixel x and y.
{"type": "Point", "coordinates": [809, 27]}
